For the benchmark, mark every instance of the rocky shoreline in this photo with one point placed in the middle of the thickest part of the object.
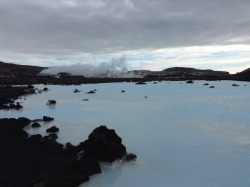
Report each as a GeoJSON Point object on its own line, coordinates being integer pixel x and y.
{"type": "Point", "coordinates": [23, 159]}
{"type": "Point", "coordinates": [42, 161]}
{"type": "Point", "coordinates": [77, 80]}
{"type": "Point", "coordinates": [8, 95]}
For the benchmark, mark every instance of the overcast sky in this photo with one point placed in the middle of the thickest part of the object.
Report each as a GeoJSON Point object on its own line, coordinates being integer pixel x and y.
{"type": "Point", "coordinates": [149, 34]}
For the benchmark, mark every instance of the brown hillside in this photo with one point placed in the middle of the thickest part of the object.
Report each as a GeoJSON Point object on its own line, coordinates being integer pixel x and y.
{"type": "Point", "coordinates": [243, 75]}
{"type": "Point", "coordinates": [14, 70]}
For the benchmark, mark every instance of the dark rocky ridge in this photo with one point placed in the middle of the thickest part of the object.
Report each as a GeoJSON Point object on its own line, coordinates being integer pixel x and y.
{"type": "Point", "coordinates": [243, 76]}
{"type": "Point", "coordinates": [14, 70]}
{"type": "Point", "coordinates": [185, 73]}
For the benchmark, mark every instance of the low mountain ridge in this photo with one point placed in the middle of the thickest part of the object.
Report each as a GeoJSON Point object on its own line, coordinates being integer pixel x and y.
{"type": "Point", "coordinates": [14, 70]}
{"type": "Point", "coordinates": [173, 73]}
{"type": "Point", "coordinates": [189, 73]}
{"type": "Point", "coordinates": [243, 75]}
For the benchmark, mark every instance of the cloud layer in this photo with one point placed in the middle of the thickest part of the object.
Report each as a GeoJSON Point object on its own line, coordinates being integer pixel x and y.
{"type": "Point", "coordinates": [62, 26]}
{"type": "Point", "coordinates": [94, 27]}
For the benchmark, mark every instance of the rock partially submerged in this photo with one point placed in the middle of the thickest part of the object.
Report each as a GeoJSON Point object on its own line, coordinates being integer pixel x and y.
{"type": "Point", "coordinates": [47, 118]}
{"type": "Point", "coordinates": [35, 125]}
{"type": "Point", "coordinates": [52, 129]}
{"type": "Point", "coordinates": [51, 102]}
{"type": "Point", "coordinates": [68, 167]}
{"type": "Point", "coordinates": [16, 106]}
{"type": "Point", "coordinates": [235, 85]}
{"type": "Point", "coordinates": [130, 157]}
{"type": "Point", "coordinates": [76, 91]}
{"type": "Point", "coordinates": [103, 145]}
{"type": "Point", "coordinates": [189, 82]}
{"type": "Point", "coordinates": [141, 83]}
{"type": "Point", "coordinates": [91, 92]}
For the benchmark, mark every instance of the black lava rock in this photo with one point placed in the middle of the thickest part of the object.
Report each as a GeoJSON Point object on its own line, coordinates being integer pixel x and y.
{"type": "Point", "coordinates": [235, 85]}
{"type": "Point", "coordinates": [104, 145]}
{"type": "Point", "coordinates": [189, 82]}
{"type": "Point", "coordinates": [34, 125]}
{"type": "Point", "coordinates": [51, 102]}
{"type": "Point", "coordinates": [130, 157]}
{"type": "Point", "coordinates": [37, 137]}
{"type": "Point", "coordinates": [53, 136]}
{"type": "Point", "coordinates": [46, 118]}
{"type": "Point", "coordinates": [52, 129]}
{"type": "Point", "coordinates": [23, 121]}
{"type": "Point", "coordinates": [76, 91]}
{"type": "Point", "coordinates": [91, 92]}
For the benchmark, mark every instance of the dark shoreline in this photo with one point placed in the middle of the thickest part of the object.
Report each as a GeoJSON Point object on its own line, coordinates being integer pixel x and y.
{"type": "Point", "coordinates": [77, 80]}
{"type": "Point", "coordinates": [38, 161]}
{"type": "Point", "coordinates": [23, 159]}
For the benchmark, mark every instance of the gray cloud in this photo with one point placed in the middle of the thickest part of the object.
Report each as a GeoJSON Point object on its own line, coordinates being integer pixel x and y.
{"type": "Point", "coordinates": [95, 26]}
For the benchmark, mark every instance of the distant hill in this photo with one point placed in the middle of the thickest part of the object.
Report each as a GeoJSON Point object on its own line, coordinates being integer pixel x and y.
{"type": "Point", "coordinates": [14, 70]}
{"type": "Point", "coordinates": [185, 72]}
{"type": "Point", "coordinates": [193, 70]}
{"type": "Point", "coordinates": [174, 73]}
{"type": "Point", "coordinates": [243, 75]}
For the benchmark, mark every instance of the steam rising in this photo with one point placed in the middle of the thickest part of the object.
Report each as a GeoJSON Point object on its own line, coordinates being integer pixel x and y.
{"type": "Point", "coordinates": [114, 69]}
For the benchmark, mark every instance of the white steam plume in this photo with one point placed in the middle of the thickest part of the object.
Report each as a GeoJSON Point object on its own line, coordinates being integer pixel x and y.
{"type": "Point", "coordinates": [115, 69]}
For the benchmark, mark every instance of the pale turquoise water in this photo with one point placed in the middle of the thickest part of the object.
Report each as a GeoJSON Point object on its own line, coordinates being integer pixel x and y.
{"type": "Point", "coordinates": [183, 135]}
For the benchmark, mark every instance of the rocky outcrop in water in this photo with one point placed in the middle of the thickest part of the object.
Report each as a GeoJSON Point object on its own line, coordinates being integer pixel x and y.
{"type": "Point", "coordinates": [235, 85]}
{"type": "Point", "coordinates": [90, 92]}
{"type": "Point", "coordinates": [52, 129]}
{"type": "Point", "coordinates": [45, 163]}
{"type": "Point", "coordinates": [51, 102]}
{"type": "Point", "coordinates": [47, 118]}
{"type": "Point", "coordinates": [103, 145]}
{"type": "Point", "coordinates": [35, 125]}
{"type": "Point", "coordinates": [189, 82]}
{"type": "Point", "coordinates": [8, 95]}
{"type": "Point", "coordinates": [141, 83]}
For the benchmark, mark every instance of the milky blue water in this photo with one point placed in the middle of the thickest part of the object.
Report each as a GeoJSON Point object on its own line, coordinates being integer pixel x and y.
{"type": "Point", "coordinates": [185, 135]}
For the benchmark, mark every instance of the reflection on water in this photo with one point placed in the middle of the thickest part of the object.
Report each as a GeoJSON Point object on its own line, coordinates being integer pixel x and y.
{"type": "Point", "coordinates": [183, 135]}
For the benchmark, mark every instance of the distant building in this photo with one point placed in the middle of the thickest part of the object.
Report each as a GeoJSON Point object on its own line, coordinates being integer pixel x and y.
{"type": "Point", "coordinates": [63, 74]}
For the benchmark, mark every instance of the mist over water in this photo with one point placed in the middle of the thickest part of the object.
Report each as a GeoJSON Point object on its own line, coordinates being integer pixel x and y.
{"type": "Point", "coordinates": [185, 135]}
{"type": "Point", "coordinates": [115, 69]}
